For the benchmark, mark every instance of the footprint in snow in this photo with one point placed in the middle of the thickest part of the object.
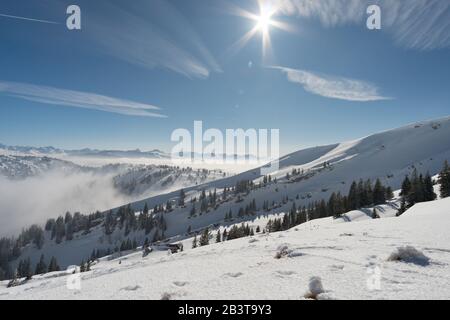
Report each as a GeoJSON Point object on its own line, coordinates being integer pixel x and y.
{"type": "Point", "coordinates": [131, 288]}
{"type": "Point", "coordinates": [335, 267]}
{"type": "Point", "coordinates": [285, 273]}
{"type": "Point", "coordinates": [180, 283]}
{"type": "Point", "coordinates": [233, 275]}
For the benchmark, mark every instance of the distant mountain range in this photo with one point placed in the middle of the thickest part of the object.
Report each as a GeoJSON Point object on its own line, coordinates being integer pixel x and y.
{"type": "Point", "coordinates": [52, 151]}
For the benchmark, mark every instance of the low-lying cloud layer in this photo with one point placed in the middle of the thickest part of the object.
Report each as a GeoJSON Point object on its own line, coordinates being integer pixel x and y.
{"type": "Point", "coordinates": [25, 202]}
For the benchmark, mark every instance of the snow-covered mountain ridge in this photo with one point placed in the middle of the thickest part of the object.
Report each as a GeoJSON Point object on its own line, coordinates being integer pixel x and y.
{"type": "Point", "coordinates": [53, 152]}
{"type": "Point", "coordinates": [389, 156]}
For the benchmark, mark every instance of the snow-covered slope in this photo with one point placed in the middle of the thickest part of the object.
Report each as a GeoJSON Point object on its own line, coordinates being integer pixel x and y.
{"type": "Point", "coordinates": [141, 180]}
{"type": "Point", "coordinates": [135, 180]}
{"type": "Point", "coordinates": [399, 258]}
{"type": "Point", "coordinates": [388, 155]}
{"type": "Point", "coordinates": [22, 167]}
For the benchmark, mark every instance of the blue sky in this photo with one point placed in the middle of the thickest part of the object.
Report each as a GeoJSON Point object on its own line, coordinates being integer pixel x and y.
{"type": "Point", "coordinates": [137, 71]}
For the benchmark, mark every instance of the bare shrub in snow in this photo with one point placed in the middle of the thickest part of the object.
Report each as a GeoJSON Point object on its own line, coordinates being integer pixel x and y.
{"type": "Point", "coordinates": [282, 252]}
{"type": "Point", "coordinates": [409, 254]}
{"type": "Point", "coordinates": [346, 235]}
{"type": "Point", "coordinates": [315, 288]}
{"type": "Point", "coordinates": [166, 296]}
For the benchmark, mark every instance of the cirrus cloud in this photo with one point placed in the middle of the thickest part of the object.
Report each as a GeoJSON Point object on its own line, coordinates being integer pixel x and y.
{"type": "Point", "coordinates": [419, 24]}
{"type": "Point", "coordinates": [78, 99]}
{"type": "Point", "coordinates": [332, 86]}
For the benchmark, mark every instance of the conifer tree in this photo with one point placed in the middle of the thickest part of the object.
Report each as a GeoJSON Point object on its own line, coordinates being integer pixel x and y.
{"type": "Point", "coordinates": [2, 274]}
{"type": "Point", "coordinates": [379, 193]}
{"type": "Point", "coordinates": [389, 193]}
{"type": "Point", "coordinates": [204, 239]}
{"type": "Point", "coordinates": [429, 194]}
{"type": "Point", "coordinates": [192, 212]}
{"type": "Point", "coordinates": [181, 198]}
{"type": "Point", "coordinates": [194, 242]}
{"type": "Point", "coordinates": [402, 208]}
{"type": "Point", "coordinates": [218, 236]}
{"type": "Point", "coordinates": [41, 267]}
{"type": "Point", "coordinates": [109, 223]}
{"type": "Point", "coordinates": [82, 267]}
{"type": "Point", "coordinates": [444, 181]}
{"type": "Point", "coordinates": [53, 265]}
{"type": "Point", "coordinates": [406, 187]}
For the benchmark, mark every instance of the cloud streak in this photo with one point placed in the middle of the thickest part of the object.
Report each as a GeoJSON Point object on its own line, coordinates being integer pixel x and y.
{"type": "Point", "coordinates": [154, 35]}
{"type": "Point", "coordinates": [27, 19]}
{"type": "Point", "coordinates": [78, 99]}
{"type": "Point", "coordinates": [333, 87]}
{"type": "Point", "coordinates": [419, 24]}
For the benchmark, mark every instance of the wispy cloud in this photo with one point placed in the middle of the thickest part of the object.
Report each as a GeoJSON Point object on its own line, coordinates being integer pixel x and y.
{"type": "Point", "coordinates": [153, 35]}
{"type": "Point", "coordinates": [26, 19]}
{"type": "Point", "coordinates": [333, 87]}
{"type": "Point", "coordinates": [419, 24]}
{"type": "Point", "coordinates": [79, 99]}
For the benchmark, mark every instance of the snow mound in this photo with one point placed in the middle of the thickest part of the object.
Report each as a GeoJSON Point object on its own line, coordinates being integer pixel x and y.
{"type": "Point", "coordinates": [315, 289]}
{"type": "Point", "coordinates": [409, 254]}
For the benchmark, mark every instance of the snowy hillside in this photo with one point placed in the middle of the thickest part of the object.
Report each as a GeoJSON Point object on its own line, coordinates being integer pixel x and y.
{"type": "Point", "coordinates": [389, 156]}
{"type": "Point", "coordinates": [21, 167]}
{"type": "Point", "coordinates": [304, 177]}
{"type": "Point", "coordinates": [400, 258]}
{"type": "Point", "coordinates": [141, 180]}
{"type": "Point", "coordinates": [134, 180]}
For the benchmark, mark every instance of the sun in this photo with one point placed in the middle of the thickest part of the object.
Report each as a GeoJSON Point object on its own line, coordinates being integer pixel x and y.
{"type": "Point", "coordinates": [263, 23]}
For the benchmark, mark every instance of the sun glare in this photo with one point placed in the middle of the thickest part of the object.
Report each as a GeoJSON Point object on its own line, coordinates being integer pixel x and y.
{"type": "Point", "coordinates": [263, 22]}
